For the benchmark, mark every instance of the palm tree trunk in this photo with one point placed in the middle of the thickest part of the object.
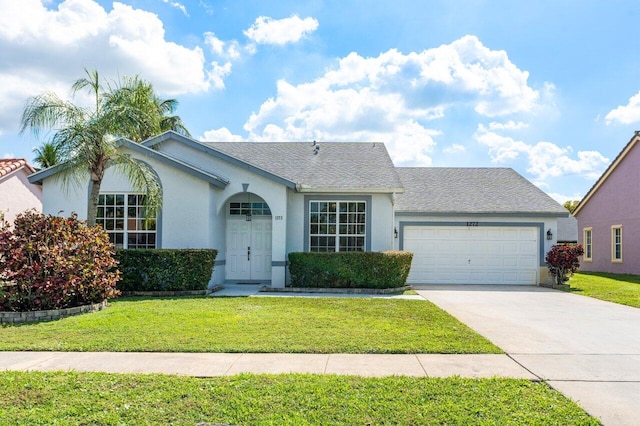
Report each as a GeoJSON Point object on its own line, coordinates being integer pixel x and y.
{"type": "Point", "coordinates": [92, 203]}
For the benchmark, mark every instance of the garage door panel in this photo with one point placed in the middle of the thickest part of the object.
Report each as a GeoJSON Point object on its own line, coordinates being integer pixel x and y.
{"type": "Point", "coordinates": [472, 255]}
{"type": "Point", "coordinates": [495, 262]}
{"type": "Point", "coordinates": [457, 262]}
{"type": "Point", "coordinates": [495, 234]}
{"type": "Point", "coordinates": [528, 234]}
{"type": "Point", "coordinates": [510, 261]}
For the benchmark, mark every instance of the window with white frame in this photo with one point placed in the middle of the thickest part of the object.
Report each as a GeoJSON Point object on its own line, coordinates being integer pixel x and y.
{"type": "Point", "coordinates": [123, 216]}
{"type": "Point", "coordinates": [249, 209]}
{"type": "Point", "coordinates": [616, 243]}
{"type": "Point", "coordinates": [337, 225]}
{"type": "Point", "coordinates": [588, 244]}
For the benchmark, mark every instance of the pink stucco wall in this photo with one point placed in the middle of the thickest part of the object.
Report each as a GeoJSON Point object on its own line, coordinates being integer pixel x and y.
{"type": "Point", "coordinates": [18, 195]}
{"type": "Point", "coordinates": [616, 202]}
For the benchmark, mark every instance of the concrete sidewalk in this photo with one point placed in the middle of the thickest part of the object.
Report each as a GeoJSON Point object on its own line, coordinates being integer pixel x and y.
{"type": "Point", "coordinates": [227, 364]}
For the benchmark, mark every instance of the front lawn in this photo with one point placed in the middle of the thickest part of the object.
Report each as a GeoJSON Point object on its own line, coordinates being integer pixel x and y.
{"type": "Point", "coordinates": [108, 399]}
{"type": "Point", "coordinates": [617, 288]}
{"type": "Point", "coordinates": [255, 324]}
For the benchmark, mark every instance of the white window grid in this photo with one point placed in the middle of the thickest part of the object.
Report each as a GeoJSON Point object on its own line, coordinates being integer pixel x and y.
{"type": "Point", "coordinates": [123, 217]}
{"type": "Point", "coordinates": [337, 226]}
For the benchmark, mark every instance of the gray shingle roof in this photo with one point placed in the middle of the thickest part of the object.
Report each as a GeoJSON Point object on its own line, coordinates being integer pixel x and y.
{"type": "Point", "coordinates": [338, 166]}
{"type": "Point", "coordinates": [471, 190]}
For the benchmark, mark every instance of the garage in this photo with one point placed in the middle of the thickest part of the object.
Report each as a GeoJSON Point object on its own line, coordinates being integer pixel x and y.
{"type": "Point", "coordinates": [470, 253]}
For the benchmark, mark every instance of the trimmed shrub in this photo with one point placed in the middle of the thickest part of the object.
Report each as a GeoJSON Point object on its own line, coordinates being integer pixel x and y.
{"type": "Point", "coordinates": [388, 269]}
{"type": "Point", "coordinates": [563, 261]}
{"type": "Point", "coordinates": [49, 262]}
{"type": "Point", "coordinates": [165, 269]}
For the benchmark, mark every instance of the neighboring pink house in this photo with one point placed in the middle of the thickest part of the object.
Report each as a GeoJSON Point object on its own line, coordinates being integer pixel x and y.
{"type": "Point", "coordinates": [16, 193]}
{"type": "Point", "coordinates": [609, 216]}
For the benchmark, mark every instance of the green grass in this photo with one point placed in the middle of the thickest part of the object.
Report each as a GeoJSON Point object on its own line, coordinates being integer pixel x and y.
{"type": "Point", "coordinates": [617, 288]}
{"type": "Point", "coordinates": [110, 399]}
{"type": "Point", "coordinates": [255, 324]}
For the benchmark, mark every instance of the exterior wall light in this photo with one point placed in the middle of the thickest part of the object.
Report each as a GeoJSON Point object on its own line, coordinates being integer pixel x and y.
{"type": "Point", "coordinates": [395, 232]}
{"type": "Point", "coordinates": [549, 235]}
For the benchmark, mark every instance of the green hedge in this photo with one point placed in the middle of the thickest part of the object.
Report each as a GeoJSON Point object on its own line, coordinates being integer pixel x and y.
{"type": "Point", "coordinates": [165, 269]}
{"type": "Point", "coordinates": [387, 269]}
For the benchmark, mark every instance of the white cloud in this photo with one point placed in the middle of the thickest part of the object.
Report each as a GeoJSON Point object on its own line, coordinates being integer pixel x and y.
{"type": "Point", "coordinates": [390, 98]}
{"type": "Point", "coordinates": [626, 114]}
{"type": "Point", "coordinates": [177, 5]}
{"type": "Point", "coordinates": [220, 135]}
{"type": "Point", "coordinates": [224, 49]}
{"type": "Point", "coordinates": [562, 198]}
{"type": "Point", "coordinates": [266, 30]}
{"type": "Point", "coordinates": [81, 33]}
{"type": "Point", "coordinates": [545, 159]}
{"type": "Point", "coordinates": [509, 125]}
{"type": "Point", "coordinates": [466, 66]}
{"type": "Point", "coordinates": [8, 155]}
{"type": "Point", "coordinates": [218, 73]}
{"type": "Point", "coordinates": [208, 9]}
{"type": "Point", "coordinates": [454, 149]}
{"type": "Point", "coordinates": [502, 149]}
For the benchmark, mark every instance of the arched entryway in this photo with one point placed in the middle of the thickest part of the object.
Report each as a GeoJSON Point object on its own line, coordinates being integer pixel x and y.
{"type": "Point", "coordinates": [248, 247]}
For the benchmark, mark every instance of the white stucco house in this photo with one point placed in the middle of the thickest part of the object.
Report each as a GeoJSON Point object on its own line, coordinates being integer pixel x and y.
{"type": "Point", "coordinates": [17, 194]}
{"type": "Point", "coordinates": [257, 202]}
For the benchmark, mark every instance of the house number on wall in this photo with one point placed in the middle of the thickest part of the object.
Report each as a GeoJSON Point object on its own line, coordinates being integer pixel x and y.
{"type": "Point", "coordinates": [472, 223]}
{"type": "Point", "coordinates": [278, 218]}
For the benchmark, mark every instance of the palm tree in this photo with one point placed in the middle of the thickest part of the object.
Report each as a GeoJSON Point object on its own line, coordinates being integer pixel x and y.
{"type": "Point", "coordinates": [138, 95]}
{"type": "Point", "coordinates": [86, 137]}
{"type": "Point", "coordinates": [47, 155]}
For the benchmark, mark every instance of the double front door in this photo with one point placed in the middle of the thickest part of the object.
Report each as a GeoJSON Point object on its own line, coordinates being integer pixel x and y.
{"type": "Point", "coordinates": [248, 248]}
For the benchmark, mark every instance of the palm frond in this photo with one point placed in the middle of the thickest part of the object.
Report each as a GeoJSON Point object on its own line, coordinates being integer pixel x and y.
{"type": "Point", "coordinates": [48, 155]}
{"type": "Point", "coordinates": [91, 81]}
{"type": "Point", "coordinates": [47, 111]}
{"type": "Point", "coordinates": [142, 178]}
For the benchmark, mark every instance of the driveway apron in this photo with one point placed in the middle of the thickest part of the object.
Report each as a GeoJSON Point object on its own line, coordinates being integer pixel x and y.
{"type": "Point", "coordinates": [585, 348]}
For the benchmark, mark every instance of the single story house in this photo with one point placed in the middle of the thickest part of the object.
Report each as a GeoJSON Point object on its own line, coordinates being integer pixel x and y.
{"type": "Point", "coordinates": [17, 194]}
{"type": "Point", "coordinates": [257, 202]}
{"type": "Point", "coordinates": [609, 218]}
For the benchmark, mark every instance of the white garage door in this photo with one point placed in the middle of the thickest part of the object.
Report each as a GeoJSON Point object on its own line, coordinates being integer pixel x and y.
{"type": "Point", "coordinates": [472, 255]}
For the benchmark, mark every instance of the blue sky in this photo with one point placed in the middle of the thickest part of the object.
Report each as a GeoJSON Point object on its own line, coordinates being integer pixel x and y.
{"type": "Point", "coordinates": [549, 88]}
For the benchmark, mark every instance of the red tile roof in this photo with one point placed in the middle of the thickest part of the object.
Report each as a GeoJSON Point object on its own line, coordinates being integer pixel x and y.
{"type": "Point", "coordinates": [9, 165]}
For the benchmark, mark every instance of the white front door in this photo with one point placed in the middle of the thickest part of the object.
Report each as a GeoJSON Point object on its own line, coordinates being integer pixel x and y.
{"type": "Point", "coordinates": [248, 248]}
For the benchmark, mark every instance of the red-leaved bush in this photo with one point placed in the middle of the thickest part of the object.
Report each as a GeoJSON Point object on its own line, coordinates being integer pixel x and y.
{"type": "Point", "coordinates": [49, 262]}
{"type": "Point", "coordinates": [563, 261]}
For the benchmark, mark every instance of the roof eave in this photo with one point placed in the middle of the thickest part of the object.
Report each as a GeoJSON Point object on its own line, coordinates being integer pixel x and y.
{"type": "Point", "coordinates": [481, 213]}
{"type": "Point", "coordinates": [25, 167]}
{"type": "Point", "coordinates": [218, 181]}
{"type": "Point", "coordinates": [349, 190]}
{"type": "Point", "coordinates": [156, 140]}
{"type": "Point", "coordinates": [38, 177]}
{"type": "Point", "coordinates": [632, 142]}
{"type": "Point", "coordinates": [215, 180]}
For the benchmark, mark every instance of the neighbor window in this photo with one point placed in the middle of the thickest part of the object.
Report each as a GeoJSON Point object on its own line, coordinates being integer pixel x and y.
{"type": "Point", "coordinates": [123, 217]}
{"type": "Point", "coordinates": [616, 243]}
{"type": "Point", "coordinates": [588, 244]}
{"type": "Point", "coordinates": [337, 225]}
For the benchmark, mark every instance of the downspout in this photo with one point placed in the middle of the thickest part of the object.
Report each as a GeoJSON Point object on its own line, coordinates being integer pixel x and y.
{"type": "Point", "coordinates": [393, 221]}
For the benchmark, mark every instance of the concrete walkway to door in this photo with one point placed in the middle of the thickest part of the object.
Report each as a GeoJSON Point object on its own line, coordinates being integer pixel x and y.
{"type": "Point", "coordinates": [585, 348]}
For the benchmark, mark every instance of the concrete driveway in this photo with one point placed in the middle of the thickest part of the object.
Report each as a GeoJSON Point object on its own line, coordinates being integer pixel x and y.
{"type": "Point", "coordinates": [585, 348]}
